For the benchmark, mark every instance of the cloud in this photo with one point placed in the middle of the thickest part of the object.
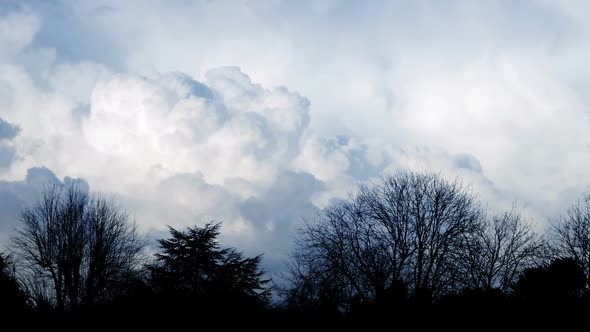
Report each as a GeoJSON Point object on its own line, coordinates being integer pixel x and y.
{"type": "Point", "coordinates": [16, 33]}
{"type": "Point", "coordinates": [276, 215]}
{"type": "Point", "coordinates": [16, 195]}
{"type": "Point", "coordinates": [468, 162]}
{"type": "Point", "coordinates": [282, 206]}
{"type": "Point", "coordinates": [228, 129]}
{"type": "Point", "coordinates": [178, 151]}
{"type": "Point", "coordinates": [139, 100]}
{"type": "Point", "coordinates": [7, 149]}
{"type": "Point", "coordinates": [8, 131]}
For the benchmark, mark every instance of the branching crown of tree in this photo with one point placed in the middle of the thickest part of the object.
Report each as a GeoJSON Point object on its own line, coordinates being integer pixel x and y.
{"type": "Point", "coordinates": [76, 247]}
{"type": "Point", "coordinates": [571, 235]}
{"type": "Point", "coordinates": [414, 230]}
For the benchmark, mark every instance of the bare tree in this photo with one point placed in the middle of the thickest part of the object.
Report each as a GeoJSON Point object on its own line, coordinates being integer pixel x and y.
{"type": "Point", "coordinates": [571, 235]}
{"type": "Point", "coordinates": [338, 259]}
{"type": "Point", "coordinates": [499, 251]}
{"type": "Point", "coordinates": [79, 244]}
{"type": "Point", "coordinates": [425, 217]}
{"type": "Point", "coordinates": [407, 228]}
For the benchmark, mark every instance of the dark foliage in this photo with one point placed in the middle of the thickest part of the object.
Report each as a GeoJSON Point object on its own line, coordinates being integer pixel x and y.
{"type": "Point", "coordinates": [562, 282]}
{"type": "Point", "coordinates": [193, 271]}
{"type": "Point", "coordinates": [192, 263]}
{"type": "Point", "coordinates": [13, 301]}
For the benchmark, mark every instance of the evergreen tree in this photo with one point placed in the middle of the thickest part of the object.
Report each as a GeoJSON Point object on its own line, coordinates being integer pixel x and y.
{"type": "Point", "coordinates": [193, 263]}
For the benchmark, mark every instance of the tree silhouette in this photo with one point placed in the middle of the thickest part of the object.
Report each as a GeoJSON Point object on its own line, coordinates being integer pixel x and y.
{"type": "Point", "coordinates": [561, 282]}
{"type": "Point", "coordinates": [497, 252]}
{"type": "Point", "coordinates": [408, 229]}
{"type": "Point", "coordinates": [12, 298]}
{"type": "Point", "coordinates": [571, 235]}
{"type": "Point", "coordinates": [192, 263]}
{"type": "Point", "coordinates": [76, 247]}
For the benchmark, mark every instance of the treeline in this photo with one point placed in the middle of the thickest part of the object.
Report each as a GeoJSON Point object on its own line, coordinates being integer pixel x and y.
{"type": "Point", "coordinates": [76, 256]}
{"type": "Point", "coordinates": [413, 242]}
{"type": "Point", "coordinates": [416, 241]}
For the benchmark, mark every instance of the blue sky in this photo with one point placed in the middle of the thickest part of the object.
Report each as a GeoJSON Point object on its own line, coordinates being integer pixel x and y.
{"type": "Point", "coordinates": [259, 113]}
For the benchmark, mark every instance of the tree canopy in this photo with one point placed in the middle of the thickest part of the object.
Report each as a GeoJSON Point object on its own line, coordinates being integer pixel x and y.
{"type": "Point", "coordinates": [76, 247]}
{"type": "Point", "coordinates": [410, 235]}
{"type": "Point", "coordinates": [192, 262]}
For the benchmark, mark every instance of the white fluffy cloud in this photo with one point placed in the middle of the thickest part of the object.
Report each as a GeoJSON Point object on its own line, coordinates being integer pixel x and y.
{"type": "Point", "coordinates": [175, 150]}
{"type": "Point", "coordinates": [126, 96]}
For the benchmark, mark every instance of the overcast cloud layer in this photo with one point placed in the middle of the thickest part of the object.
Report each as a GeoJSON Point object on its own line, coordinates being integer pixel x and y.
{"type": "Point", "coordinates": [257, 113]}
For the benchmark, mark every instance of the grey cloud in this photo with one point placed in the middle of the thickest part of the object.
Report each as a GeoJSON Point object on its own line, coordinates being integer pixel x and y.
{"type": "Point", "coordinates": [11, 6]}
{"type": "Point", "coordinates": [469, 162]}
{"type": "Point", "coordinates": [67, 29]}
{"type": "Point", "coordinates": [81, 184]}
{"type": "Point", "coordinates": [15, 195]}
{"type": "Point", "coordinates": [7, 130]}
{"type": "Point", "coordinates": [6, 94]}
{"type": "Point", "coordinates": [277, 214]}
{"type": "Point", "coordinates": [81, 111]}
{"type": "Point", "coordinates": [40, 176]}
{"type": "Point", "coordinates": [185, 86]}
{"type": "Point", "coordinates": [286, 203]}
{"type": "Point", "coordinates": [187, 199]}
{"type": "Point", "coordinates": [194, 182]}
{"type": "Point", "coordinates": [359, 167]}
{"type": "Point", "coordinates": [103, 10]}
{"type": "Point", "coordinates": [7, 154]}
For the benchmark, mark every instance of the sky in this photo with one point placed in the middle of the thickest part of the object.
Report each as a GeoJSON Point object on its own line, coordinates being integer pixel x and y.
{"type": "Point", "coordinates": [260, 113]}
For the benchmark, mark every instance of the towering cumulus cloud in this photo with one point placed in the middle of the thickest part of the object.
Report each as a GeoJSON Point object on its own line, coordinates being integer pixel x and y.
{"type": "Point", "coordinates": [180, 151]}
{"type": "Point", "coordinates": [176, 150]}
{"type": "Point", "coordinates": [227, 127]}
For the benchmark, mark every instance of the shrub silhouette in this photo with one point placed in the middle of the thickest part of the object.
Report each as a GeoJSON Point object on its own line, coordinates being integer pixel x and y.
{"type": "Point", "coordinates": [12, 299]}
{"type": "Point", "coordinates": [562, 282]}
